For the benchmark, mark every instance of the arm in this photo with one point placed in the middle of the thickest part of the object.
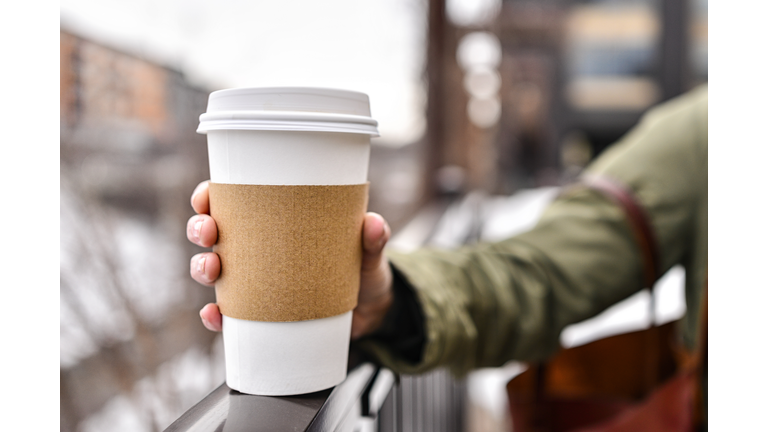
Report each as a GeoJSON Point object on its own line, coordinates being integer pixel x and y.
{"type": "Point", "coordinates": [487, 304]}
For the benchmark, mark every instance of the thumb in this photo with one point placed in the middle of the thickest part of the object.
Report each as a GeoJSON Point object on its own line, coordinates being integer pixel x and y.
{"type": "Point", "coordinates": [375, 296]}
{"type": "Point", "coordinates": [376, 233]}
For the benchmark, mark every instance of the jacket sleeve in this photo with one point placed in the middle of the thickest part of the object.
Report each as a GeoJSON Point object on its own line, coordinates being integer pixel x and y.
{"type": "Point", "coordinates": [486, 304]}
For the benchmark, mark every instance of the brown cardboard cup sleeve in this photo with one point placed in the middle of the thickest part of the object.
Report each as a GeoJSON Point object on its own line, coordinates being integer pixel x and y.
{"type": "Point", "coordinates": [288, 253]}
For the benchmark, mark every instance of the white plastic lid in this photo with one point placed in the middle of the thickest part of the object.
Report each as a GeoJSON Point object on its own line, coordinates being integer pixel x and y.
{"type": "Point", "coordinates": [289, 109]}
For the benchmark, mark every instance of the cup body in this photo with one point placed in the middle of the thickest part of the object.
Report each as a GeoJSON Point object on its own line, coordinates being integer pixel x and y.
{"type": "Point", "coordinates": [286, 358]}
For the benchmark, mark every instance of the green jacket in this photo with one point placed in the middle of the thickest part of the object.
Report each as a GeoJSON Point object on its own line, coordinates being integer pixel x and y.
{"type": "Point", "coordinates": [489, 303]}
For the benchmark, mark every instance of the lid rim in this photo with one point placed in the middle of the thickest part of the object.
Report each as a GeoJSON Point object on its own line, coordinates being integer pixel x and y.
{"type": "Point", "coordinates": [295, 90]}
{"type": "Point", "coordinates": [288, 127]}
{"type": "Point", "coordinates": [286, 116]}
{"type": "Point", "coordinates": [289, 109]}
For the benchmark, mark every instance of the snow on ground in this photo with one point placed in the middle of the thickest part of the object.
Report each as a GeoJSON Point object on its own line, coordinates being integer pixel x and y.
{"type": "Point", "coordinates": [114, 269]}
{"type": "Point", "coordinates": [157, 401]}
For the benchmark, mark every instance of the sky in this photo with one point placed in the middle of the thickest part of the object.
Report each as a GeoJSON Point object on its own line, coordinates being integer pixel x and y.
{"type": "Point", "coordinates": [373, 46]}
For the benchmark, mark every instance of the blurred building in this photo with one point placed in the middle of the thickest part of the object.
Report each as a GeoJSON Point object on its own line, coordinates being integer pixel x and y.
{"type": "Point", "coordinates": [130, 118]}
{"type": "Point", "coordinates": [129, 159]}
{"type": "Point", "coordinates": [525, 93]}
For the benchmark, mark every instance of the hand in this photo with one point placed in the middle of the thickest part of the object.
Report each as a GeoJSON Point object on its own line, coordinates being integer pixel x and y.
{"type": "Point", "coordinates": [375, 295]}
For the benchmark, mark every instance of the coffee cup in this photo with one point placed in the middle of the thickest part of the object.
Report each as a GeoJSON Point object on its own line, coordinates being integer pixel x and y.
{"type": "Point", "coordinates": [288, 191]}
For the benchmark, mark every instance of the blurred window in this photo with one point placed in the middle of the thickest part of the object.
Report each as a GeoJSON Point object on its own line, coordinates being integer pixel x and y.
{"type": "Point", "coordinates": [611, 47]}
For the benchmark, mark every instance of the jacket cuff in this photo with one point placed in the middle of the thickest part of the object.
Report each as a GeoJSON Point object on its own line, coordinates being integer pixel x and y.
{"type": "Point", "coordinates": [402, 331]}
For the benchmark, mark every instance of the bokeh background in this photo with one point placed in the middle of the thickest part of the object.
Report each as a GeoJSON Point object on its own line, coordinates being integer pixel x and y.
{"type": "Point", "coordinates": [476, 100]}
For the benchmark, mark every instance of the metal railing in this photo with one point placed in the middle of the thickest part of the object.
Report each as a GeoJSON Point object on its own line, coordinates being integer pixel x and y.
{"type": "Point", "coordinates": [368, 400]}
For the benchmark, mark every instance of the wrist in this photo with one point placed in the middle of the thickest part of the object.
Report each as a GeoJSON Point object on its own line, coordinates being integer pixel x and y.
{"type": "Point", "coordinates": [402, 329]}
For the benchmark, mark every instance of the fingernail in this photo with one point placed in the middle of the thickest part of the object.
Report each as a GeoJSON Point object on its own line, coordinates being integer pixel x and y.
{"type": "Point", "coordinates": [206, 323]}
{"type": "Point", "coordinates": [201, 266]}
{"type": "Point", "coordinates": [197, 229]}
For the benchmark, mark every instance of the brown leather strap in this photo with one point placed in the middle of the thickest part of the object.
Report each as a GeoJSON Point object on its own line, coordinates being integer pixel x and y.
{"type": "Point", "coordinates": [638, 221]}
{"type": "Point", "coordinates": [646, 242]}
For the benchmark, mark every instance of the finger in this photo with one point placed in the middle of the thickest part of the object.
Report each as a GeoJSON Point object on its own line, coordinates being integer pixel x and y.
{"type": "Point", "coordinates": [199, 198]}
{"type": "Point", "coordinates": [205, 268]}
{"type": "Point", "coordinates": [375, 274]}
{"type": "Point", "coordinates": [376, 233]}
{"type": "Point", "coordinates": [202, 230]}
{"type": "Point", "coordinates": [211, 317]}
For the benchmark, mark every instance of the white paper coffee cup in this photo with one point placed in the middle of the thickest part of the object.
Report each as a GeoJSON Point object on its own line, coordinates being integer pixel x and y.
{"type": "Point", "coordinates": [287, 136]}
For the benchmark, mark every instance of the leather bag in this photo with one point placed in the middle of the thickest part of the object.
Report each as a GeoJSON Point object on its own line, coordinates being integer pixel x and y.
{"type": "Point", "coordinates": [638, 381]}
